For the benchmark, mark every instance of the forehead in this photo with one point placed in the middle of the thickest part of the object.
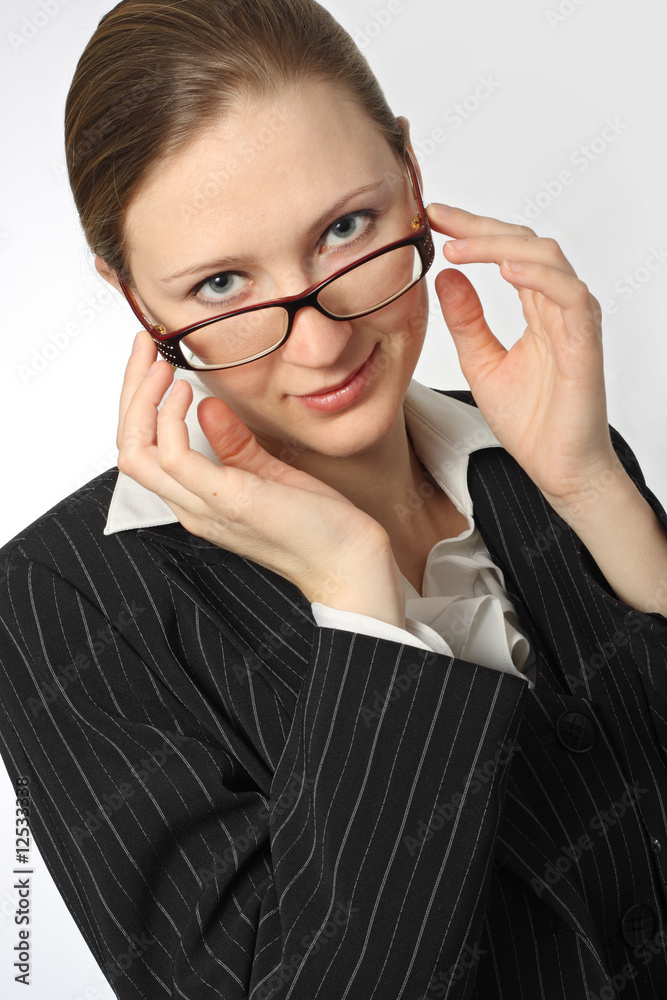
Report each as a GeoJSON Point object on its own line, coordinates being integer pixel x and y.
{"type": "Point", "coordinates": [260, 170]}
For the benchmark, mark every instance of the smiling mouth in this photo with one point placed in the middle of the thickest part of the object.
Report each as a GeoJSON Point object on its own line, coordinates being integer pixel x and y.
{"type": "Point", "coordinates": [340, 385]}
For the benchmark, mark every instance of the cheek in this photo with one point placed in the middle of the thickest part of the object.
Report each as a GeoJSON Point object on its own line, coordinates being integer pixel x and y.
{"type": "Point", "coordinates": [236, 386]}
{"type": "Point", "coordinates": [246, 391]}
{"type": "Point", "coordinates": [405, 321]}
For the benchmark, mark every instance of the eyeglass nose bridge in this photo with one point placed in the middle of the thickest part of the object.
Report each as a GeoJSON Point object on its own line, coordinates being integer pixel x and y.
{"type": "Point", "coordinates": [309, 301]}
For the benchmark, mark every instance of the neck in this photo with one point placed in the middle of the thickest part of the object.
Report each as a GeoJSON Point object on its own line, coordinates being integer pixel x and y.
{"type": "Point", "coordinates": [389, 483]}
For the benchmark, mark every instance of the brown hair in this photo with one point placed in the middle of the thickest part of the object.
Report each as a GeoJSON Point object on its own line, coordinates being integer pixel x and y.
{"type": "Point", "coordinates": [157, 73]}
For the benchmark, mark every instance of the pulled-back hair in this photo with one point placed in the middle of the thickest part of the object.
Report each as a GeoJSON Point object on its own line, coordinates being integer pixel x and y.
{"type": "Point", "coordinates": [158, 73]}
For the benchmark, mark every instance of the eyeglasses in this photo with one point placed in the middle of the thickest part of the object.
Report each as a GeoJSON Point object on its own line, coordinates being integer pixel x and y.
{"type": "Point", "coordinates": [244, 335]}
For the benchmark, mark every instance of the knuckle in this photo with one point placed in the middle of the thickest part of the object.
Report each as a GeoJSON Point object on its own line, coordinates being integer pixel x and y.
{"type": "Point", "coordinates": [124, 462]}
{"type": "Point", "coordinates": [525, 231]}
{"type": "Point", "coordinates": [551, 244]}
{"type": "Point", "coordinates": [168, 460]}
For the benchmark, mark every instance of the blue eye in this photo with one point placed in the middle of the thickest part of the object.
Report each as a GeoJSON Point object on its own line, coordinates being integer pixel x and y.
{"type": "Point", "coordinates": [349, 228]}
{"type": "Point", "coordinates": [222, 289]}
{"type": "Point", "coordinates": [221, 285]}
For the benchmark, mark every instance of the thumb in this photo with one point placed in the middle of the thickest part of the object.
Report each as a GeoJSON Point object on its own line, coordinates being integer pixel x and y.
{"type": "Point", "coordinates": [235, 445]}
{"type": "Point", "coordinates": [477, 347]}
{"type": "Point", "coordinates": [232, 441]}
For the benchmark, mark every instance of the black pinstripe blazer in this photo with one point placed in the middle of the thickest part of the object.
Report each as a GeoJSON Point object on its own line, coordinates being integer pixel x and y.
{"type": "Point", "coordinates": [235, 802]}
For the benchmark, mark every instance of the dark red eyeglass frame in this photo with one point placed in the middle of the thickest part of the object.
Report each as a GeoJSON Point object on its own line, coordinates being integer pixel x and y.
{"type": "Point", "coordinates": [422, 240]}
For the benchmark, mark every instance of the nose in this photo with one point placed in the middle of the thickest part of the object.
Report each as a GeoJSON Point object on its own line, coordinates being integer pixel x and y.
{"type": "Point", "coordinates": [315, 341]}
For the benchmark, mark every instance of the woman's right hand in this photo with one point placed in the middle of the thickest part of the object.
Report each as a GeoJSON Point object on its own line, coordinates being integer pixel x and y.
{"type": "Point", "coordinates": [252, 503]}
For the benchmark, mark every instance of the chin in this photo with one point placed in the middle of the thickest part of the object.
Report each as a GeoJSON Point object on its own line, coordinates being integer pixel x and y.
{"type": "Point", "coordinates": [351, 431]}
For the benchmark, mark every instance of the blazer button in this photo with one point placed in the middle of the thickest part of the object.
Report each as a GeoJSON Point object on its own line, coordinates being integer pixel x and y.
{"type": "Point", "coordinates": [576, 731]}
{"type": "Point", "coordinates": [638, 924]}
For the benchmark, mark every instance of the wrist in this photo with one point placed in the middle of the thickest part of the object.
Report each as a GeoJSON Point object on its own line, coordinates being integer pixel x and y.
{"type": "Point", "coordinates": [370, 584]}
{"type": "Point", "coordinates": [583, 505]}
{"type": "Point", "coordinates": [628, 542]}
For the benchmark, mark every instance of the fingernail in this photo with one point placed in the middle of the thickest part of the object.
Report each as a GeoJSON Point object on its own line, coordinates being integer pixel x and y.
{"type": "Point", "coordinates": [176, 387]}
{"type": "Point", "coordinates": [137, 343]}
{"type": "Point", "coordinates": [154, 367]}
{"type": "Point", "coordinates": [442, 210]}
{"type": "Point", "coordinates": [457, 244]}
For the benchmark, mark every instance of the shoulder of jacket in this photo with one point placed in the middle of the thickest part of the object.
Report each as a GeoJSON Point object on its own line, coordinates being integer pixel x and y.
{"type": "Point", "coordinates": [85, 508]}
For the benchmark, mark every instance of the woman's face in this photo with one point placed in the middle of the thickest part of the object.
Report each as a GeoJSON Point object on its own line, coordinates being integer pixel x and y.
{"type": "Point", "coordinates": [261, 207]}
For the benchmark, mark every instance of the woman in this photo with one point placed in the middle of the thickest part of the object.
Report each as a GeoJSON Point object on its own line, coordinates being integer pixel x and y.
{"type": "Point", "coordinates": [343, 686]}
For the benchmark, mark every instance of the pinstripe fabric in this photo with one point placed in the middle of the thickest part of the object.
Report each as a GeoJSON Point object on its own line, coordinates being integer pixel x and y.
{"type": "Point", "coordinates": [236, 803]}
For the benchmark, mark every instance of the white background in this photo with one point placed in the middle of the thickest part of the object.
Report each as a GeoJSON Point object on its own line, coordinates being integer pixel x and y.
{"type": "Point", "coordinates": [553, 81]}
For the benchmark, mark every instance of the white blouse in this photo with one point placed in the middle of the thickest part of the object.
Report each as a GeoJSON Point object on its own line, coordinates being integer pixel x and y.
{"type": "Point", "coordinates": [463, 610]}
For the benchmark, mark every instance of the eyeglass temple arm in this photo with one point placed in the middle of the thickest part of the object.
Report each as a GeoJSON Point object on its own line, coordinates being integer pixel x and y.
{"type": "Point", "coordinates": [416, 185]}
{"type": "Point", "coordinates": [145, 322]}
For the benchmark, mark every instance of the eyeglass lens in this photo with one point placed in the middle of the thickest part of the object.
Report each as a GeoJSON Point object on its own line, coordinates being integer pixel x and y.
{"type": "Point", "coordinates": [364, 289]}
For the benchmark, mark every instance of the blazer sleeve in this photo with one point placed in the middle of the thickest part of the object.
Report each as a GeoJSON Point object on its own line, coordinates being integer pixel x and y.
{"type": "Point", "coordinates": [363, 872]}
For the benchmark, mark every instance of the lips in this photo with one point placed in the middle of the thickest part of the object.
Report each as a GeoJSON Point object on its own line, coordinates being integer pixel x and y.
{"type": "Point", "coordinates": [339, 385]}
{"type": "Point", "coordinates": [343, 395]}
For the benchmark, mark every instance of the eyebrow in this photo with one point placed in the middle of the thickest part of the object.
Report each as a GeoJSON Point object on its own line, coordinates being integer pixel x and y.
{"type": "Point", "coordinates": [222, 263]}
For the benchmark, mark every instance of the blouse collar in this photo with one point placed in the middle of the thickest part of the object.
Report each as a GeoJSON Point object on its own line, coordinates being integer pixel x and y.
{"type": "Point", "coordinates": [443, 430]}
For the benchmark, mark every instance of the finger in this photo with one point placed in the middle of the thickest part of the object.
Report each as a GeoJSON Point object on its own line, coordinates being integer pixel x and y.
{"type": "Point", "coordinates": [202, 479]}
{"type": "Point", "coordinates": [457, 222]}
{"type": "Point", "coordinates": [173, 439]}
{"type": "Point", "coordinates": [236, 446]}
{"type": "Point", "coordinates": [230, 438]}
{"type": "Point", "coordinates": [580, 311]}
{"type": "Point", "coordinates": [564, 290]}
{"type": "Point", "coordinates": [144, 352]}
{"type": "Point", "coordinates": [139, 427]}
{"type": "Point", "coordinates": [494, 249]}
{"type": "Point", "coordinates": [478, 349]}
{"type": "Point", "coordinates": [154, 442]}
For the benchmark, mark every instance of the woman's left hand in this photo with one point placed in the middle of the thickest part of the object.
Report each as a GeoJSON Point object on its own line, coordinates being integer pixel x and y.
{"type": "Point", "coordinates": [544, 399]}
